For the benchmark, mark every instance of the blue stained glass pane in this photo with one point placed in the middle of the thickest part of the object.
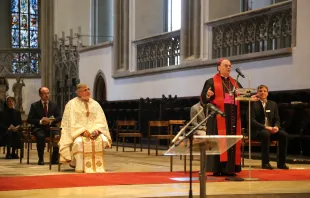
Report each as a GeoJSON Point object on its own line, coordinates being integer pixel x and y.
{"type": "Point", "coordinates": [33, 22]}
{"type": "Point", "coordinates": [24, 21]}
{"type": "Point", "coordinates": [15, 37]}
{"type": "Point", "coordinates": [34, 64]}
{"type": "Point", "coordinates": [15, 67]}
{"type": "Point", "coordinates": [15, 21]}
{"type": "Point", "coordinates": [24, 39]}
{"type": "Point", "coordinates": [24, 6]}
{"type": "Point", "coordinates": [33, 7]}
{"type": "Point", "coordinates": [14, 5]}
{"type": "Point", "coordinates": [33, 39]}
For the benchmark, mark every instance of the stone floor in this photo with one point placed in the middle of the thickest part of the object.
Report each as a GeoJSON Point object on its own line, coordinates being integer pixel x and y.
{"type": "Point", "coordinates": [130, 161]}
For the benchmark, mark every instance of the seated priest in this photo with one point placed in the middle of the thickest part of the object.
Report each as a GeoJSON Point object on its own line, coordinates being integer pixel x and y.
{"type": "Point", "coordinates": [265, 127]}
{"type": "Point", "coordinates": [201, 130]}
{"type": "Point", "coordinates": [85, 133]}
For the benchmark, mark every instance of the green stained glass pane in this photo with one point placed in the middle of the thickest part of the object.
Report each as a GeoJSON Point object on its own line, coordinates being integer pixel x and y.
{"type": "Point", "coordinates": [24, 21]}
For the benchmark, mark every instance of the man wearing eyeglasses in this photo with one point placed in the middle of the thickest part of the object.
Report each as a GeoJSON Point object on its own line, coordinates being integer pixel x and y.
{"type": "Point", "coordinates": [39, 116]}
{"type": "Point", "coordinates": [85, 133]}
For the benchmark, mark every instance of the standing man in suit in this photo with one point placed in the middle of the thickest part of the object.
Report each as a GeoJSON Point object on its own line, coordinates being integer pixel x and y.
{"type": "Point", "coordinates": [201, 130]}
{"type": "Point", "coordinates": [265, 122]}
{"type": "Point", "coordinates": [39, 115]}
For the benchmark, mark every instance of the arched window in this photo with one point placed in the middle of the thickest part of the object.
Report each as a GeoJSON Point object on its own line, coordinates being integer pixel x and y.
{"type": "Point", "coordinates": [24, 34]}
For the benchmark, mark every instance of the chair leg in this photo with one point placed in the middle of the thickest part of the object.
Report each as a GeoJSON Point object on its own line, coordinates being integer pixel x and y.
{"type": "Point", "coordinates": [28, 150]}
{"type": "Point", "coordinates": [242, 155]}
{"type": "Point", "coordinates": [123, 144]}
{"type": "Point", "coordinates": [3, 149]}
{"type": "Point", "coordinates": [171, 163]}
{"type": "Point", "coordinates": [184, 163]}
{"type": "Point", "coordinates": [117, 144]}
{"type": "Point", "coordinates": [21, 153]}
{"type": "Point", "coordinates": [141, 143]}
{"type": "Point", "coordinates": [134, 144]}
{"type": "Point", "coordinates": [50, 149]}
{"type": "Point", "coordinates": [59, 164]}
{"type": "Point", "coordinates": [148, 146]}
{"type": "Point", "coordinates": [156, 146]}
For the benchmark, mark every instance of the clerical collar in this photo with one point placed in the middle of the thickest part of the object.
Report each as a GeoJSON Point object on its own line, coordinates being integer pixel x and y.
{"type": "Point", "coordinates": [225, 78]}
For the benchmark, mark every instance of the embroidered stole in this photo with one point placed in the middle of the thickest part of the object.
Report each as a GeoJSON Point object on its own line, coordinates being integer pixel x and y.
{"type": "Point", "coordinates": [93, 151]}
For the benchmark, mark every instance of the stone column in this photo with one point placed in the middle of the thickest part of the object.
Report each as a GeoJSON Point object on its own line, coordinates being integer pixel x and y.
{"type": "Point", "coordinates": [46, 33]}
{"type": "Point", "coordinates": [121, 36]}
{"type": "Point", "coordinates": [190, 31]}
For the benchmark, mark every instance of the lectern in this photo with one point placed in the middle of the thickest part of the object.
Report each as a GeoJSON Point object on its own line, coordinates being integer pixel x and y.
{"type": "Point", "coordinates": [204, 145]}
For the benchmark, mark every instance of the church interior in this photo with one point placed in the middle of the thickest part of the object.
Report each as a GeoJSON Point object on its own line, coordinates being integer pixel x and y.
{"type": "Point", "coordinates": [146, 63]}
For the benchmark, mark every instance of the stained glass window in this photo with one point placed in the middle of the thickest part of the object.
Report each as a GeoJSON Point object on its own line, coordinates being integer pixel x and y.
{"type": "Point", "coordinates": [24, 34]}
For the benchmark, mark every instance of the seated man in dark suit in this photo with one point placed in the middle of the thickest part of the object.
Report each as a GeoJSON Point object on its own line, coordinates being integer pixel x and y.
{"type": "Point", "coordinates": [265, 127]}
{"type": "Point", "coordinates": [39, 115]}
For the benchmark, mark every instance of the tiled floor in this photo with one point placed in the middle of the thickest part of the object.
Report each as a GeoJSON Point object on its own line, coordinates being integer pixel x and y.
{"type": "Point", "coordinates": [130, 161]}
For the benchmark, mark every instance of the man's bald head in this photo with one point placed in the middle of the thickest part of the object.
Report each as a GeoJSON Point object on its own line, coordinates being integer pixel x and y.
{"type": "Point", "coordinates": [44, 93]}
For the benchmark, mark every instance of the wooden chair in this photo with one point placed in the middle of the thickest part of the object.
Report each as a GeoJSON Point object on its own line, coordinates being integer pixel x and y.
{"type": "Point", "coordinates": [173, 123]}
{"type": "Point", "coordinates": [127, 128]}
{"type": "Point", "coordinates": [53, 142]}
{"type": "Point", "coordinates": [254, 143]}
{"type": "Point", "coordinates": [160, 125]}
{"type": "Point", "coordinates": [27, 139]}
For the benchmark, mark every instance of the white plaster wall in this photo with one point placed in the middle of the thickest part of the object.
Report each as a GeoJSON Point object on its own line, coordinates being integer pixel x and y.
{"type": "Point", "coordinates": [284, 73]}
{"type": "Point", "coordinates": [71, 14]}
{"type": "Point", "coordinates": [29, 92]}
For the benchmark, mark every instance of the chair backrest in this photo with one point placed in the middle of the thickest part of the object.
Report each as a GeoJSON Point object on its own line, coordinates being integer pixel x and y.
{"type": "Point", "coordinates": [172, 123]}
{"type": "Point", "coordinates": [126, 123]}
{"type": "Point", "coordinates": [126, 126]}
{"type": "Point", "coordinates": [159, 125]}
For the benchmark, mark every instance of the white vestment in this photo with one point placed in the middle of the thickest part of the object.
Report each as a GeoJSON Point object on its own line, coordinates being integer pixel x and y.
{"type": "Point", "coordinates": [85, 154]}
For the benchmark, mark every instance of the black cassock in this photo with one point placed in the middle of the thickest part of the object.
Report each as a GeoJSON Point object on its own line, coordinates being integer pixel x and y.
{"type": "Point", "coordinates": [213, 161]}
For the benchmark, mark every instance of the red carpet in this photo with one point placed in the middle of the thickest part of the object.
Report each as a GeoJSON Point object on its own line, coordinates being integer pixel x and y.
{"type": "Point", "coordinates": [104, 179]}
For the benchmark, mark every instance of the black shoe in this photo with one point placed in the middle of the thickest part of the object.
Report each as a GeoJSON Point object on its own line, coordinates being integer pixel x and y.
{"type": "Point", "coordinates": [40, 162]}
{"type": "Point", "coordinates": [267, 166]}
{"type": "Point", "coordinates": [283, 166]}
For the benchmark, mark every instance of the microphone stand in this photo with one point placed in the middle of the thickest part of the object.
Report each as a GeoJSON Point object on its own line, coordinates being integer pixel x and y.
{"type": "Point", "coordinates": [202, 175]}
{"type": "Point", "coordinates": [249, 131]}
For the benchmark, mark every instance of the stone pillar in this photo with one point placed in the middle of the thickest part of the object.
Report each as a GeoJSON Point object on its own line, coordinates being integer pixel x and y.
{"type": "Point", "coordinates": [190, 31]}
{"type": "Point", "coordinates": [46, 33]}
{"type": "Point", "coordinates": [121, 36]}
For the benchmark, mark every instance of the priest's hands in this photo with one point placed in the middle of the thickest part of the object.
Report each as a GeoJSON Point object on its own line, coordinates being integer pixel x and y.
{"type": "Point", "coordinates": [94, 134]}
{"type": "Point", "coordinates": [86, 134]}
{"type": "Point", "coordinates": [210, 93]}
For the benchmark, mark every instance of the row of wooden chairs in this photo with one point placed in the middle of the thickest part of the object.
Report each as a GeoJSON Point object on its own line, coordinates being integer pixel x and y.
{"type": "Point", "coordinates": [127, 128]}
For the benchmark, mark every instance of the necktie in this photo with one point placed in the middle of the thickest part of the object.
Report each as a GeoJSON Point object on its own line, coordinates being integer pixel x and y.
{"type": "Point", "coordinates": [45, 108]}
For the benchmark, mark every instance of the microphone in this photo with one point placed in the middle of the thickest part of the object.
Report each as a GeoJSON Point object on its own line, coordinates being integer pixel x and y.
{"type": "Point", "coordinates": [216, 110]}
{"type": "Point", "coordinates": [240, 73]}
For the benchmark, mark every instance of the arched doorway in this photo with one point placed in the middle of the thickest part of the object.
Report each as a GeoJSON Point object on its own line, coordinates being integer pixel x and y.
{"type": "Point", "coordinates": [100, 91]}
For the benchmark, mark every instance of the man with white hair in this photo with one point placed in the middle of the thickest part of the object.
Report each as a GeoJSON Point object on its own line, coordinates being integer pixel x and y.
{"type": "Point", "coordinates": [85, 133]}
